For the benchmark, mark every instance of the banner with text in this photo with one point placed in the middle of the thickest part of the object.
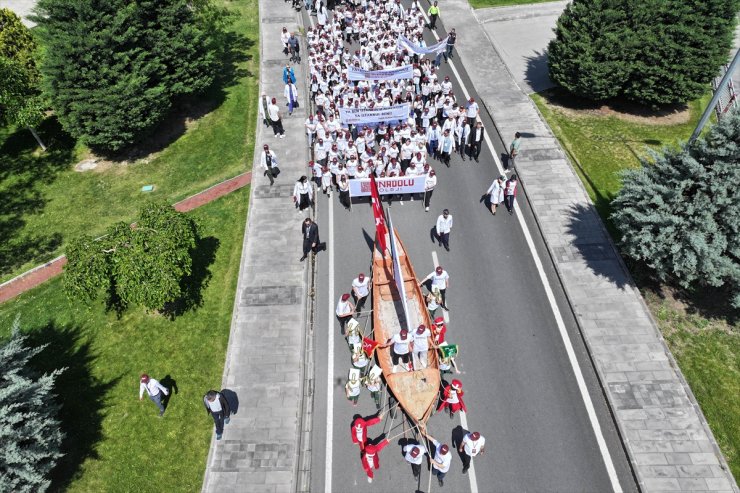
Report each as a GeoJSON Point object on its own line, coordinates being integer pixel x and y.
{"type": "Point", "coordinates": [405, 43]}
{"type": "Point", "coordinates": [405, 72]}
{"type": "Point", "coordinates": [360, 116]}
{"type": "Point", "coordinates": [360, 187]}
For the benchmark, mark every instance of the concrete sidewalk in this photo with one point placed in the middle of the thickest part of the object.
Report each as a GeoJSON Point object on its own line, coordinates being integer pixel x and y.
{"type": "Point", "coordinates": [264, 363]}
{"type": "Point", "coordinates": [664, 432]}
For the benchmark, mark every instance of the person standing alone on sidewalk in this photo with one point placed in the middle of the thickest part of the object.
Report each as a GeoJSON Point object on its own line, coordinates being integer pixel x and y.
{"type": "Point", "coordinates": [433, 14]}
{"type": "Point", "coordinates": [218, 407]}
{"type": "Point", "coordinates": [514, 151]}
{"type": "Point", "coordinates": [273, 112]}
{"type": "Point", "coordinates": [154, 389]}
{"type": "Point", "coordinates": [443, 229]}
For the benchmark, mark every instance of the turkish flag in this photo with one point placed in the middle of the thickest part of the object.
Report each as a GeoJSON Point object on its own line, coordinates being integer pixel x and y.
{"type": "Point", "coordinates": [380, 229]}
{"type": "Point", "coordinates": [368, 345]}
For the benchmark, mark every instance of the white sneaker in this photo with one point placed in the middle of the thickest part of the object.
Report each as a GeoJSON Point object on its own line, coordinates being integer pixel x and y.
{"type": "Point", "coordinates": [426, 209]}
{"type": "Point", "coordinates": [401, 202]}
{"type": "Point", "coordinates": [282, 136]}
{"type": "Point", "coordinates": [412, 199]}
{"type": "Point", "coordinates": [369, 480]}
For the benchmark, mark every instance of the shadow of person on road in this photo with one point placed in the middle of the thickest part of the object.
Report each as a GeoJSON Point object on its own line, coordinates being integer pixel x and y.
{"type": "Point", "coordinates": [458, 433]}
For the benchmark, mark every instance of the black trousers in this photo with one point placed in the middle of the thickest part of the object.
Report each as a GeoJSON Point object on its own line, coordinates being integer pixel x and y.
{"type": "Point", "coordinates": [442, 292]}
{"type": "Point", "coordinates": [277, 127]}
{"type": "Point", "coordinates": [406, 358]}
{"type": "Point", "coordinates": [359, 302]}
{"type": "Point", "coordinates": [416, 469]}
{"type": "Point", "coordinates": [465, 460]}
{"type": "Point", "coordinates": [475, 148]}
{"type": "Point", "coordinates": [307, 247]}
{"type": "Point", "coordinates": [428, 197]}
{"type": "Point", "coordinates": [343, 322]}
{"type": "Point", "coordinates": [433, 21]}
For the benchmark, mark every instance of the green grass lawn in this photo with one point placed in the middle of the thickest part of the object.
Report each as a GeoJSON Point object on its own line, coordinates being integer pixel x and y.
{"type": "Point", "coordinates": [702, 335]}
{"type": "Point", "coordinates": [44, 202]}
{"type": "Point", "coordinates": [115, 442]}
{"type": "Point", "coordinates": [481, 4]}
{"type": "Point", "coordinates": [601, 146]}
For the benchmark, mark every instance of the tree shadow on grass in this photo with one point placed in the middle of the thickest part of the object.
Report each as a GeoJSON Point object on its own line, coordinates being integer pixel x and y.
{"type": "Point", "coordinates": [188, 109]}
{"type": "Point", "coordinates": [81, 395]}
{"type": "Point", "coordinates": [23, 170]}
{"type": "Point", "coordinates": [204, 255]}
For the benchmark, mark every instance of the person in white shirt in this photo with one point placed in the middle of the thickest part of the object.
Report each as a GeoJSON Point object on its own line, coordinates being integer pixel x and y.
{"type": "Point", "coordinates": [429, 183]}
{"type": "Point", "coordinates": [353, 387]}
{"type": "Point", "coordinates": [154, 390]}
{"type": "Point", "coordinates": [218, 407]}
{"type": "Point", "coordinates": [345, 311]}
{"type": "Point", "coordinates": [472, 111]}
{"type": "Point", "coordinates": [359, 358]}
{"type": "Point", "coordinates": [273, 111]}
{"type": "Point", "coordinates": [414, 455]}
{"type": "Point", "coordinates": [439, 279]}
{"type": "Point", "coordinates": [302, 194]}
{"type": "Point", "coordinates": [421, 346]}
{"type": "Point", "coordinates": [269, 162]}
{"type": "Point", "coordinates": [310, 125]}
{"type": "Point", "coordinates": [496, 193]}
{"type": "Point", "coordinates": [443, 228]}
{"type": "Point", "coordinates": [472, 444]}
{"type": "Point", "coordinates": [401, 350]}
{"type": "Point", "coordinates": [360, 291]}
{"type": "Point", "coordinates": [442, 459]}
{"type": "Point", "coordinates": [373, 385]}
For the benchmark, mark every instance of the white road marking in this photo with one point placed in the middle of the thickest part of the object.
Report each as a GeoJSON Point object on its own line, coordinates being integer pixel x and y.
{"type": "Point", "coordinates": [445, 313]}
{"type": "Point", "coordinates": [330, 357]}
{"type": "Point", "coordinates": [606, 456]}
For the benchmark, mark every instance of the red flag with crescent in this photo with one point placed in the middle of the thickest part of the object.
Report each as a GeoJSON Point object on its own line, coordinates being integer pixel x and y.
{"type": "Point", "coordinates": [380, 229]}
{"type": "Point", "coordinates": [368, 345]}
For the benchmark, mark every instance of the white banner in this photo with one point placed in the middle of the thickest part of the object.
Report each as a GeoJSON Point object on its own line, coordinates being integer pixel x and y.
{"type": "Point", "coordinates": [360, 187]}
{"type": "Point", "coordinates": [359, 116]}
{"type": "Point", "coordinates": [405, 72]}
{"type": "Point", "coordinates": [405, 43]}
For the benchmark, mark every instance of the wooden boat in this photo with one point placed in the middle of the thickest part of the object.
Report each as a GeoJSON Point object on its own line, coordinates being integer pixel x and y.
{"type": "Point", "coordinates": [417, 390]}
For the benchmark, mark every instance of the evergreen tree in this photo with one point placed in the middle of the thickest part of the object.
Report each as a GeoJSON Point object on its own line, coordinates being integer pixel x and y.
{"type": "Point", "coordinates": [144, 264]}
{"type": "Point", "coordinates": [29, 428]}
{"type": "Point", "coordinates": [680, 214]}
{"type": "Point", "coordinates": [113, 69]}
{"type": "Point", "coordinates": [653, 52]}
{"type": "Point", "coordinates": [20, 98]}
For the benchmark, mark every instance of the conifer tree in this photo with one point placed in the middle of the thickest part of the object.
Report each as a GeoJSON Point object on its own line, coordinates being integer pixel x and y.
{"type": "Point", "coordinates": [113, 69]}
{"type": "Point", "coordinates": [654, 52]}
{"type": "Point", "coordinates": [29, 429]}
{"type": "Point", "coordinates": [680, 213]}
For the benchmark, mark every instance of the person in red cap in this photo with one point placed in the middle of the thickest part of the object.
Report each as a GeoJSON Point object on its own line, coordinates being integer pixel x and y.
{"type": "Point", "coordinates": [414, 455]}
{"type": "Point", "coordinates": [453, 394]}
{"type": "Point", "coordinates": [442, 458]}
{"type": "Point", "coordinates": [359, 428]}
{"type": "Point", "coordinates": [401, 349]}
{"type": "Point", "coordinates": [371, 458]}
{"type": "Point", "coordinates": [439, 279]}
{"type": "Point", "coordinates": [154, 390]}
{"type": "Point", "coordinates": [360, 291]}
{"type": "Point", "coordinates": [439, 330]}
{"type": "Point", "coordinates": [421, 346]}
{"type": "Point", "coordinates": [345, 310]}
{"type": "Point", "coordinates": [471, 445]}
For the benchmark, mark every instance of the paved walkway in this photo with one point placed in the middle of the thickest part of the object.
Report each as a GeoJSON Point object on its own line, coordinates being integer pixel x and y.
{"type": "Point", "coordinates": [260, 447]}
{"type": "Point", "coordinates": [666, 436]}
{"type": "Point", "coordinates": [42, 273]}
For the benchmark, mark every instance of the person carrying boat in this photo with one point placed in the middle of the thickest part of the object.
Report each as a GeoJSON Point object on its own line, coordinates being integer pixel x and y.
{"type": "Point", "coordinates": [439, 279]}
{"type": "Point", "coordinates": [371, 457]}
{"type": "Point", "coordinates": [345, 311]}
{"type": "Point", "coordinates": [421, 346]}
{"type": "Point", "coordinates": [359, 358]}
{"type": "Point", "coordinates": [414, 455]}
{"type": "Point", "coordinates": [353, 386]}
{"type": "Point", "coordinates": [432, 300]}
{"type": "Point", "coordinates": [360, 425]}
{"type": "Point", "coordinates": [360, 291]}
{"type": "Point", "coordinates": [401, 350]}
{"type": "Point", "coordinates": [453, 398]}
{"type": "Point", "coordinates": [446, 361]}
{"type": "Point", "coordinates": [442, 459]}
{"type": "Point", "coordinates": [439, 330]}
{"type": "Point", "coordinates": [373, 385]}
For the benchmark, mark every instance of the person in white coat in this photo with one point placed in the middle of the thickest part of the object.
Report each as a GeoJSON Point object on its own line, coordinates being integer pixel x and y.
{"type": "Point", "coordinates": [291, 96]}
{"type": "Point", "coordinates": [302, 193]}
{"type": "Point", "coordinates": [496, 193]}
{"type": "Point", "coordinates": [443, 228]}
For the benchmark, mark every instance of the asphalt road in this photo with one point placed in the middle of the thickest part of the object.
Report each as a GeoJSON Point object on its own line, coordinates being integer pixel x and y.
{"type": "Point", "coordinates": [521, 390]}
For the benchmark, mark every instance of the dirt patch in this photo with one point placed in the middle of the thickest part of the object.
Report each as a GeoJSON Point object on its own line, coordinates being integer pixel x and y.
{"type": "Point", "coordinates": [624, 110]}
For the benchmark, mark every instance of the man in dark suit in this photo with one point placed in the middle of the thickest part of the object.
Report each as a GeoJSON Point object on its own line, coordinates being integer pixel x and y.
{"type": "Point", "coordinates": [310, 232]}
{"type": "Point", "coordinates": [475, 140]}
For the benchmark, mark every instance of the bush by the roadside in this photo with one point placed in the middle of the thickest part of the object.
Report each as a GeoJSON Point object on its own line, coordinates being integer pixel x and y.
{"type": "Point", "coordinates": [655, 52]}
